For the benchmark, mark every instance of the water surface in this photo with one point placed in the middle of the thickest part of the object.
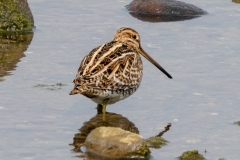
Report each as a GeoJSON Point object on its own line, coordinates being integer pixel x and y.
{"type": "Point", "coordinates": [201, 101]}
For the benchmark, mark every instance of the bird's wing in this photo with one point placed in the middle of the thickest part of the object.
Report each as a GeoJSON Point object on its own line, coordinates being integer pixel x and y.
{"type": "Point", "coordinates": [112, 65]}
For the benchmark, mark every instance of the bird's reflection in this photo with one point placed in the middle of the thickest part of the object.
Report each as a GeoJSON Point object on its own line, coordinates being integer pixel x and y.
{"type": "Point", "coordinates": [111, 120]}
{"type": "Point", "coordinates": [155, 18]}
{"type": "Point", "coordinates": [12, 46]}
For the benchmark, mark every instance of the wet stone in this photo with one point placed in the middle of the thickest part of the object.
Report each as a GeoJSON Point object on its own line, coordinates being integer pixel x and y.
{"type": "Point", "coordinates": [163, 10]}
{"type": "Point", "coordinates": [116, 143]}
{"type": "Point", "coordinates": [111, 120]}
{"type": "Point", "coordinates": [121, 125]}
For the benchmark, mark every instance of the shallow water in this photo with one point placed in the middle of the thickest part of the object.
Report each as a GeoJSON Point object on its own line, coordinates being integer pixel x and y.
{"type": "Point", "coordinates": [201, 101]}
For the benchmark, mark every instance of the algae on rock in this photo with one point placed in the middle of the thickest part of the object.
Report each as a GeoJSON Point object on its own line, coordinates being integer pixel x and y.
{"type": "Point", "coordinates": [114, 137]}
{"type": "Point", "coordinates": [15, 15]}
{"type": "Point", "coordinates": [191, 155]}
{"type": "Point", "coordinates": [155, 142]}
{"type": "Point", "coordinates": [112, 120]}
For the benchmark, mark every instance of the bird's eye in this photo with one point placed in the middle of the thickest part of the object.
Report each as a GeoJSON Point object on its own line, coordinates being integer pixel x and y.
{"type": "Point", "coordinates": [134, 37]}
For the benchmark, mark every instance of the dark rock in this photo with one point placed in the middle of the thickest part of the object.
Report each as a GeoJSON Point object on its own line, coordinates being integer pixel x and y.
{"type": "Point", "coordinates": [163, 10]}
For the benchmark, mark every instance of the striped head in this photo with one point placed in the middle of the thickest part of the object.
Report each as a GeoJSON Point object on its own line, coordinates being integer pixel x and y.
{"type": "Point", "coordinates": [128, 36]}
{"type": "Point", "coordinates": [131, 37]}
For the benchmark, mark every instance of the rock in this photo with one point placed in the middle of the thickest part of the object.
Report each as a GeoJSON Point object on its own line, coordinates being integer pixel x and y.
{"type": "Point", "coordinates": [155, 142]}
{"type": "Point", "coordinates": [163, 10]}
{"type": "Point", "coordinates": [111, 120]}
{"type": "Point", "coordinates": [15, 15]}
{"type": "Point", "coordinates": [238, 123]}
{"type": "Point", "coordinates": [236, 1]}
{"type": "Point", "coordinates": [116, 143]}
{"type": "Point", "coordinates": [117, 121]}
{"type": "Point", "coordinates": [191, 155]}
{"type": "Point", "coordinates": [12, 46]}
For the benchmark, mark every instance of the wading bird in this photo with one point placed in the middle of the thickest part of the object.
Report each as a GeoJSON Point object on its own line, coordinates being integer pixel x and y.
{"type": "Point", "coordinates": [113, 71]}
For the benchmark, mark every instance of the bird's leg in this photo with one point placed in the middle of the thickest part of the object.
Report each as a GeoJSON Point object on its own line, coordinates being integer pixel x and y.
{"type": "Point", "coordinates": [99, 109]}
{"type": "Point", "coordinates": [104, 105]}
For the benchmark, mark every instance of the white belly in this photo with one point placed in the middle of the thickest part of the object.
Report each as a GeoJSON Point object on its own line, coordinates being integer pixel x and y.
{"type": "Point", "coordinates": [113, 97]}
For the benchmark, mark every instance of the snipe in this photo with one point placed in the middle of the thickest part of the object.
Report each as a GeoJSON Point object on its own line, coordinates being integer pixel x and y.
{"type": "Point", "coordinates": [113, 71]}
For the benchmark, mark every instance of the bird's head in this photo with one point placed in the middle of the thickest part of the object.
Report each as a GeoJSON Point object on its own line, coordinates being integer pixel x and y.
{"type": "Point", "coordinates": [131, 37]}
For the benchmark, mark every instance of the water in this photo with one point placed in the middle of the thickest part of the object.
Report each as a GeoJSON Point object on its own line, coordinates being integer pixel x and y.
{"type": "Point", "coordinates": [201, 101]}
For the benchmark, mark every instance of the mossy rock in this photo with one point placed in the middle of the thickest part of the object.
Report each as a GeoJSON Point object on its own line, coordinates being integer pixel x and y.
{"type": "Point", "coordinates": [12, 46]}
{"type": "Point", "coordinates": [115, 137]}
{"type": "Point", "coordinates": [156, 142]}
{"type": "Point", "coordinates": [236, 1]}
{"type": "Point", "coordinates": [191, 155]}
{"type": "Point", "coordinates": [15, 15]}
{"type": "Point", "coordinates": [238, 123]}
{"type": "Point", "coordinates": [111, 120]}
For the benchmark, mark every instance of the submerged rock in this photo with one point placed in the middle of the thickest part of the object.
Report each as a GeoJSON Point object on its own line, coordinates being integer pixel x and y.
{"type": "Point", "coordinates": [12, 47]}
{"type": "Point", "coordinates": [15, 15]}
{"type": "Point", "coordinates": [238, 123]}
{"type": "Point", "coordinates": [191, 155]}
{"type": "Point", "coordinates": [111, 120]}
{"type": "Point", "coordinates": [236, 1]}
{"type": "Point", "coordinates": [122, 126]}
{"type": "Point", "coordinates": [155, 142]}
{"type": "Point", "coordinates": [116, 143]}
{"type": "Point", "coordinates": [163, 10]}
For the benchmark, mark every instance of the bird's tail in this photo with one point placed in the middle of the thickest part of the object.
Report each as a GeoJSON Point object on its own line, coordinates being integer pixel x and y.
{"type": "Point", "coordinates": [75, 91]}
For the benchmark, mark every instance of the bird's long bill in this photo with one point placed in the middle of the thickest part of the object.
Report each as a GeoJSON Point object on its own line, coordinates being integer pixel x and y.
{"type": "Point", "coordinates": [154, 62]}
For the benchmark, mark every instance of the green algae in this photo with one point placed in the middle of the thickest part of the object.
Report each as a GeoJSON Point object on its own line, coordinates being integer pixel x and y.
{"type": "Point", "coordinates": [155, 142]}
{"type": "Point", "coordinates": [51, 86]}
{"type": "Point", "coordinates": [191, 155]}
{"type": "Point", "coordinates": [142, 150]}
{"type": "Point", "coordinates": [15, 15]}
